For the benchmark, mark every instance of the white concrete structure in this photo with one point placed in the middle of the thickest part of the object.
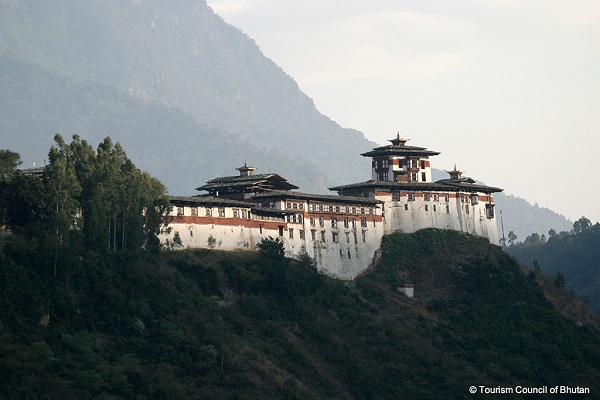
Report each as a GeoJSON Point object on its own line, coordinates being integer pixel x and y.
{"type": "Point", "coordinates": [341, 233]}
{"type": "Point", "coordinates": [411, 201]}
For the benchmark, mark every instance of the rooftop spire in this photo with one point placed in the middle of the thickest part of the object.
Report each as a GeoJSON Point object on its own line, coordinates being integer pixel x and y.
{"type": "Point", "coordinates": [246, 170]}
{"type": "Point", "coordinates": [398, 141]}
{"type": "Point", "coordinates": [455, 173]}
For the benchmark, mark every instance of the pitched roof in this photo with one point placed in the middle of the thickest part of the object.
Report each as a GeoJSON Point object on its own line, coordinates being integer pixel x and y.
{"type": "Point", "coordinates": [462, 184]}
{"type": "Point", "coordinates": [237, 183]}
{"type": "Point", "coordinates": [320, 197]}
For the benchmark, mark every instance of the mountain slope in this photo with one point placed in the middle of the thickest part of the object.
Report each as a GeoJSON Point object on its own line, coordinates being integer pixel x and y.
{"type": "Point", "coordinates": [182, 55]}
{"type": "Point", "coordinates": [243, 325]}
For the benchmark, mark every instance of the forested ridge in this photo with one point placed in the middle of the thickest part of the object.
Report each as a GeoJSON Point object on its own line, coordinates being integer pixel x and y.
{"type": "Point", "coordinates": [90, 309]}
{"type": "Point", "coordinates": [572, 256]}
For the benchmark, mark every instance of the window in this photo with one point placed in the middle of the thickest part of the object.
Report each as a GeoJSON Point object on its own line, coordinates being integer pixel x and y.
{"type": "Point", "coordinates": [423, 177]}
{"type": "Point", "coordinates": [221, 212]}
{"type": "Point", "coordinates": [434, 208]}
{"type": "Point", "coordinates": [364, 236]}
{"type": "Point", "coordinates": [336, 209]}
{"type": "Point", "coordinates": [326, 207]}
{"type": "Point", "coordinates": [321, 221]}
{"type": "Point", "coordinates": [489, 211]}
{"type": "Point", "coordinates": [426, 196]}
{"type": "Point", "coordinates": [413, 177]}
{"type": "Point", "coordinates": [446, 197]}
{"type": "Point", "coordinates": [209, 212]}
{"type": "Point", "coordinates": [414, 163]}
{"type": "Point", "coordinates": [295, 218]}
{"type": "Point", "coordinates": [349, 253]}
{"type": "Point", "coordinates": [322, 236]}
{"type": "Point", "coordinates": [426, 207]}
{"type": "Point", "coordinates": [236, 213]}
{"type": "Point", "coordinates": [436, 197]}
{"type": "Point", "coordinates": [341, 255]}
{"type": "Point", "coordinates": [310, 207]}
{"type": "Point", "coordinates": [363, 222]}
{"type": "Point", "coordinates": [406, 207]}
{"type": "Point", "coordinates": [395, 196]}
{"type": "Point", "coordinates": [291, 232]}
{"type": "Point", "coordinates": [313, 234]}
{"type": "Point", "coordinates": [374, 223]}
{"type": "Point", "coordinates": [301, 234]}
{"type": "Point", "coordinates": [280, 230]}
{"type": "Point", "coordinates": [355, 238]}
{"type": "Point", "coordinates": [347, 237]}
{"type": "Point", "coordinates": [467, 208]}
{"type": "Point", "coordinates": [334, 222]}
{"type": "Point", "coordinates": [411, 197]}
{"type": "Point", "coordinates": [346, 224]}
{"type": "Point", "coordinates": [335, 237]}
{"type": "Point", "coordinates": [384, 163]}
{"type": "Point", "coordinates": [422, 164]}
{"type": "Point", "coordinates": [194, 211]}
{"type": "Point", "coordinates": [244, 214]}
{"type": "Point", "coordinates": [371, 211]}
{"type": "Point", "coordinates": [353, 224]}
{"type": "Point", "coordinates": [447, 209]}
{"type": "Point", "coordinates": [180, 211]}
{"type": "Point", "coordinates": [312, 221]}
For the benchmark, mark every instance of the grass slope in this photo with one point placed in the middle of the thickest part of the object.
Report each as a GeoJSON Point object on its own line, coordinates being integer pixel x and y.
{"type": "Point", "coordinates": [209, 324]}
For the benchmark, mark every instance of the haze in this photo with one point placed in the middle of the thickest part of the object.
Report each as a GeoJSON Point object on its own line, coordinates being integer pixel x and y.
{"type": "Point", "coordinates": [508, 90]}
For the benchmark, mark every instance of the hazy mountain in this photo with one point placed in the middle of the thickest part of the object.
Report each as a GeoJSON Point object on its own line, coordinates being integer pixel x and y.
{"type": "Point", "coordinates": [179, 54]}
{"type": "Point", "coordinates": [188, 95]}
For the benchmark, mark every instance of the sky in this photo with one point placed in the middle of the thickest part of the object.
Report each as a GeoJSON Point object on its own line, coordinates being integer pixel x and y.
{"type": "Point", "coordinates": [509, 90]}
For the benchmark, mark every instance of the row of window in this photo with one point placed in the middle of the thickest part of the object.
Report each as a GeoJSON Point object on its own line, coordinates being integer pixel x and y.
{"type": "Point", "coordinates": [208, 212]}
{"type": "Point", "coordinates": [426, 197]}
{"type": "Point", "coordinates": [346, 221]}
{"type": "Point", "coordinates": [414, 164]}
{"type": "Point", "coordinates": [489, 209]}
{"type": "Point", "coordinates": [335, 236]}
{"type": "Point", "coordinates": [316, 207]}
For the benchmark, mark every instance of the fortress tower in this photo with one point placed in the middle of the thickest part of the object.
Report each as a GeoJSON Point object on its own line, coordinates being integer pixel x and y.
{"type": "Point", "coordinates": [401, 179]}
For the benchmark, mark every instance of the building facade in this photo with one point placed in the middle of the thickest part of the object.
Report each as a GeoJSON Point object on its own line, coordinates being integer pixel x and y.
{"type": "Point", "coordinates": [343, 232]}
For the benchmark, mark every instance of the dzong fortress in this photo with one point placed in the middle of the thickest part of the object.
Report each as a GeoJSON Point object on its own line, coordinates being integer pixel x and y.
{"type": "Point", "coordinates": [342, 232]}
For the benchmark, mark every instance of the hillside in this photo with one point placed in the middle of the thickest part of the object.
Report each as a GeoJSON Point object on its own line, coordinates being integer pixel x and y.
{"type": "Point", "coordinates": [574, 254]}
{"type": "Point", "coordinates": [207, 324]}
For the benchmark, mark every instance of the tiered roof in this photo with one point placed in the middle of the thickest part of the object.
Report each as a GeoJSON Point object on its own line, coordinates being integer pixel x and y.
{"type": "Point", "coordinates": [399, 148]}
{"type": "Point", "coordinates": [246, 184]}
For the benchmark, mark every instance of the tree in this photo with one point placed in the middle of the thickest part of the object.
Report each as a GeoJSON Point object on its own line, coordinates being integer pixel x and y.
{"type": "Point", "coordinates": [582, 224]}
{"type": "Point", "coordinates": [9, 162]}
{"type": "Point", "coordinates": [559, 280]}
{"type": "Point", "coordinates": [512, 237]}
{"type": "Point", "coordinates": [271, 248]}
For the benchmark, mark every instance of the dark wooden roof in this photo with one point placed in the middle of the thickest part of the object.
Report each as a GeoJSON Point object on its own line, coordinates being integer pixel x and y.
{"type": "Point", "coordinates": [398, 150]}
{"type": "Point", "coordinates": [207, 201]}
{"type": "Point", "coordinates": [285, 194]}
{"type": "Point", "coordinates": [246, 184]}
{"type": "Point", "coordinates": [445, 185]}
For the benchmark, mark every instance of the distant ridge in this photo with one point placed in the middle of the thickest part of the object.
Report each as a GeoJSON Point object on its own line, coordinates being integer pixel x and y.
{"type": "Point", "coordinates": [190, 95]}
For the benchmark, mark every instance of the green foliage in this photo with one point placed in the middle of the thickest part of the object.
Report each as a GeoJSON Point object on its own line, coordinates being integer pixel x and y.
{"type": "Point", "coordinates": [574, 253]}
{"type": "Point", "coordinates": [208, 324]}
{"type": "Point", "coordinates": [271, 248]}
{"type": "Point", "coordinates": [9, 162]}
